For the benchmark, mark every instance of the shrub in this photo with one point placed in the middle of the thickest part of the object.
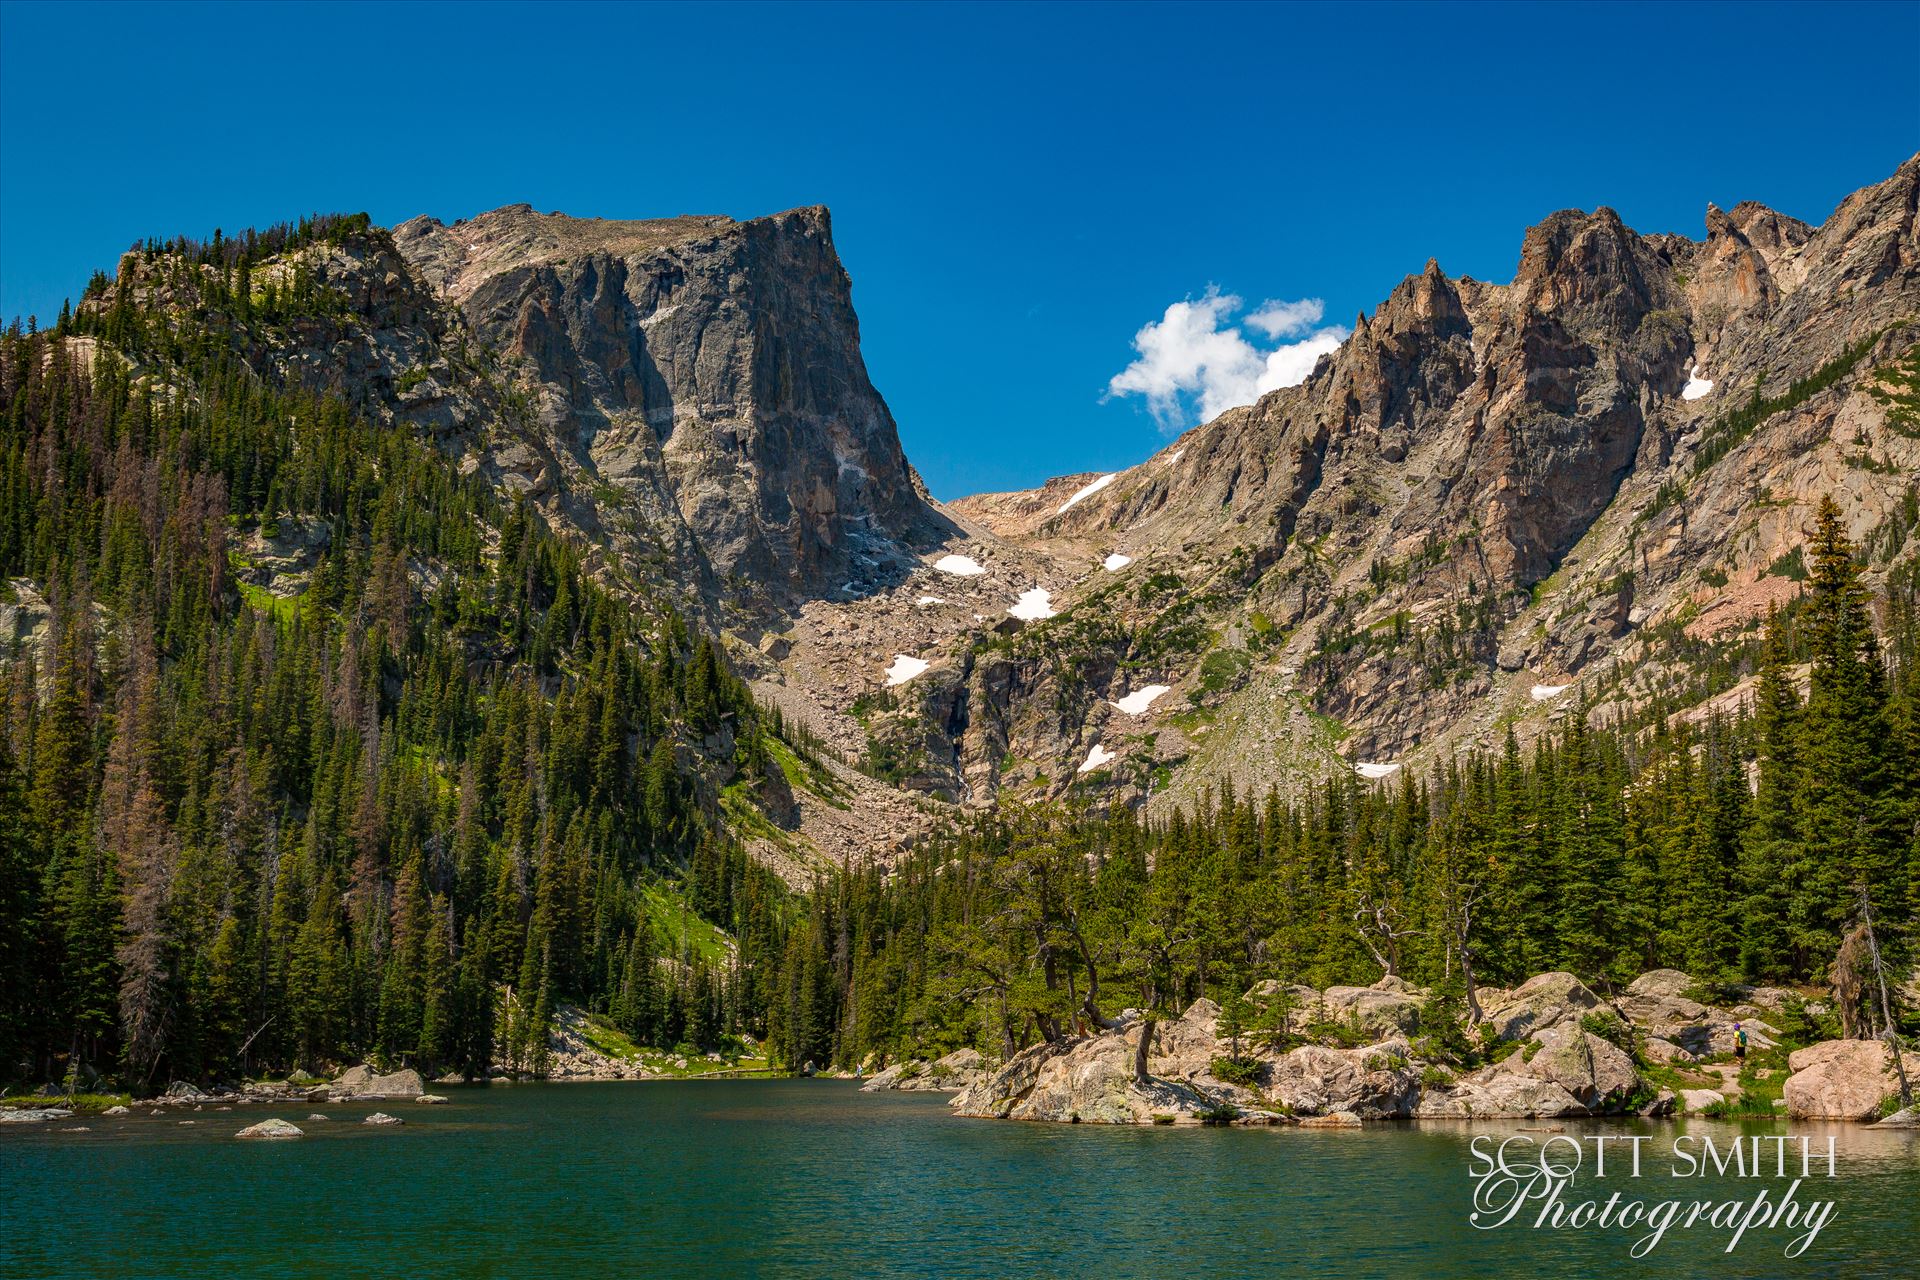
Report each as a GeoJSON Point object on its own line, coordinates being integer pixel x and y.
{"type": "Point", "coordinates": [1442, 1018]}
{"type": "Point", "coordinates": [1244, 1072]}
{"type": "Point", "coordinates": [1225, 1113]}
{"type": "Point", "coordinates": [1612, 1028]}
{"type": "Point", "coordinates": [1801, 1026]}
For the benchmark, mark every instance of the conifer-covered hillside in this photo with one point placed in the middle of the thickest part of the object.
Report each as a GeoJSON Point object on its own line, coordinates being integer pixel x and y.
{"type": "Point", "coordinates": [315, 745]}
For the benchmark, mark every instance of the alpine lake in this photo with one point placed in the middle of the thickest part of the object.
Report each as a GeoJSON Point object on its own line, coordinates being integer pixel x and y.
{"type": "Point", "coordinates": [814, 1178]}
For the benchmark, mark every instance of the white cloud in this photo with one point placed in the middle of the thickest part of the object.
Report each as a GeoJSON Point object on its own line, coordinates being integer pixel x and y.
{"type": "Point", "coordinates": [1195, 360]}
{"type": "Point", "coordinates": [1284, 319]}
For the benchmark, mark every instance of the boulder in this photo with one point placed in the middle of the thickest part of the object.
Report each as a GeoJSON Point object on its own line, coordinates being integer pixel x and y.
{"type": "Point", "coordinates": [1766, 999]}
{"type": "Point", "coordinates": [431, 1100]}
{"type": "Point", "coordinates": [381, 1117]}
{"type": "Point", "coordinates": [1905, 1118]}
{"type": "Point", "coordinates": [32, 1115]}
{"type": "Point", "coordinates": [1332, 1120]}
{"type": "Point", "coordinates": [959, 1070]}
{"type": "Point", "coordinates": [1090, 1080]}
{"type": "Point", "coordinates": [996, 1092]}
{"type": "Point", "coordinates": [1546, 1000]}
{"type": "Point", "coordinates": [362, 1082]}
{"type": "Point", "coordinates": [1695, 1101]}
{"type": "Point", "coordinates": [183, 1091]}
{"type": "Point", "coordinates": [1596, 1072]}
{"type": "Point", "coordinates": [1654, 1002]}
{"type": "Point", "coordinates": [1378, 1011]}
{"type": "Point", "coordinates": [354, 1078]}
{"type": "Point", "coordinates": [117, 1111]}
{"type": "Point", "coordinates": [891, 1077]}
{"type": "Point", "coordinates": [1841, 1080]}
{"type": "Point", "coordinates": [1660, 982]}
{"type": "Point", "coordinates": [271, 1129]}
{"type": "Point", "coordinates": [1659, 1049]}
{"type": "Point", "coordinates": [1184, 1049]}
{"type": "Point", "coordinates": [316, 1116]}
{"type": "Point", "coordinates": [1093, 1084]}
{"type": "Point", "coordinates": [1512, 1097]}
{"type": "Point", "coordinates": [1663, 1104]}
{"type": "Point", "coordinates": [1374, 1083]}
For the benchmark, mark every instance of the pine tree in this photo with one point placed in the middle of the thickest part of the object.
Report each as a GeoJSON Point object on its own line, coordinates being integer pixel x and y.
{"type": "Point", "coordinates": [1849, 821]}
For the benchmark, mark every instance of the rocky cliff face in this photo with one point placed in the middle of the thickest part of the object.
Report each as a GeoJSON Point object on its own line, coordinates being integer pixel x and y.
{"type": "Point", "coordinates": [704, 372]}
{"type": "Point", "coordinates": [1492, 503]}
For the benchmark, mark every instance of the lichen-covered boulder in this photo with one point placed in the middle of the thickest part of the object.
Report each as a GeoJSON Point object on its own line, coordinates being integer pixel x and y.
{"type": "Point", "coordinates": [1595, 1071]}
{"type": "Point", "coordinates": [1546, 1000]}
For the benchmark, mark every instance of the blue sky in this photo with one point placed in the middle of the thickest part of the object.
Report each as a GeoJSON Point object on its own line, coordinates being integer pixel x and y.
{"type": "Point", "coordinates": [1016, 191]}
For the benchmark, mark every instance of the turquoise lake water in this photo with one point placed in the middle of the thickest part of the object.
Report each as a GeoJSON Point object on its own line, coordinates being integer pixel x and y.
{"type": "Point", "coordinates": [812, 1178]}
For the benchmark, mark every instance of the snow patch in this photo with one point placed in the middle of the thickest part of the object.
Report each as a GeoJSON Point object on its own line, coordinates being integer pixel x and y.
{"type": "Point", "coordinates": [1140, 699]}
{"type": "Point", "coordinates": [1371, 769]}
{"type": "Point", "coordinates": [1697, 387]}
{"type": "Point", "coordinates": [1544, 692]}
{"type": "Point", "coordinates": [904, 668]}
{"type": "Point", "coordinates": [1116, 562]}
{"type": "Point", "coordinates": [1087, 492]}
{"type": "Point", "coordinates": [1095, 758]}
{"type": "Point", "coordinates": [1034, 605]}
{"type": "Point", "coordinates": [926, 601]}
{"type": "Point", "coordinates": [1175, 456]}
{"type": "Point", "coordinates": [959, 566]}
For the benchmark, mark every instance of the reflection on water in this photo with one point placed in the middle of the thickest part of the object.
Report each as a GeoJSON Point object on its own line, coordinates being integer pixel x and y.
{"type": "Point", "coordinates": [811, 1178]}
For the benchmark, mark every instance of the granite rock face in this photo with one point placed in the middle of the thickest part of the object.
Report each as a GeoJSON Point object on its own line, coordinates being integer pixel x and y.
{"type": "Point", "coordinates": [704, 366]}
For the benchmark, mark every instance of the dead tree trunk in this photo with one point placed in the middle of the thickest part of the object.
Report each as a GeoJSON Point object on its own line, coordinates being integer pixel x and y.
{"type": "Point", "coordinates": [1140, 1075]}
{"type": "Point", "coordinates": [1886, 1005]}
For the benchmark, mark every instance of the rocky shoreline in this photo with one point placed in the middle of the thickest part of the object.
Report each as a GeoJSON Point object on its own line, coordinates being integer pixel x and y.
{"type": "Point", "coordinates": [1544, 1057]}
